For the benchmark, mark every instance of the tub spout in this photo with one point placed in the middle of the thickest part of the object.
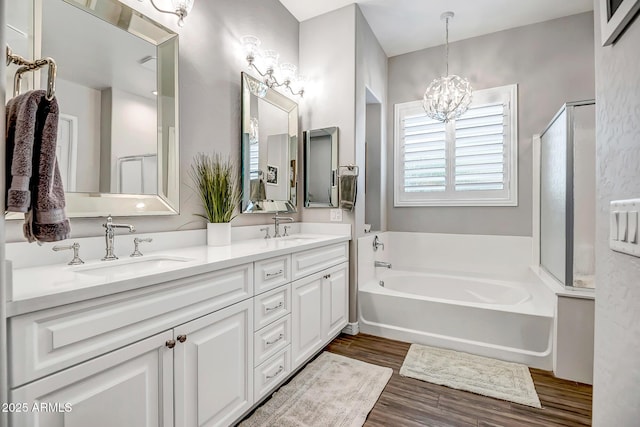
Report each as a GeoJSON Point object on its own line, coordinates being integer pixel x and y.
{"type": "Point", "coordinates": [383, 264]}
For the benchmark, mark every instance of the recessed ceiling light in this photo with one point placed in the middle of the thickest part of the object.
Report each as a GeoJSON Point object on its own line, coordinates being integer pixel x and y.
{"type": "Point", "coordinates": [155, 92]}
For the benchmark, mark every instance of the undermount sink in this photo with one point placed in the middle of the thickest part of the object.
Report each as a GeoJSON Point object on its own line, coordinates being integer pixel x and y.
{"type": "Point", "coordinates": [129, 266]}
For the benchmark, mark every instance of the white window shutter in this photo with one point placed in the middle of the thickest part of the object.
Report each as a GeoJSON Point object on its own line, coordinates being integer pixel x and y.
{"type": "Point", "coordinates": [480, 149]}
{"type": "Point", "coordinates": [423, 154]}
{"type": "Point", "coordinates": [471, 161]}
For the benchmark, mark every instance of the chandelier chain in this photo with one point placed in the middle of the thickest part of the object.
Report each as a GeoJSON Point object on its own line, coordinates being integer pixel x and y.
{"type": "Point", "coordinates": [446, 54]}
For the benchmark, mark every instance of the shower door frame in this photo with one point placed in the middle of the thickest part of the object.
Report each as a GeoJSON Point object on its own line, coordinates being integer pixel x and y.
{"type": "Point", "coordinates": [569, 108]}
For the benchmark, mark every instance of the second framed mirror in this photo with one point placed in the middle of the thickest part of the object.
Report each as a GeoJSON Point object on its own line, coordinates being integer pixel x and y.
{"type": "Point", "coordinates": [321, 168]}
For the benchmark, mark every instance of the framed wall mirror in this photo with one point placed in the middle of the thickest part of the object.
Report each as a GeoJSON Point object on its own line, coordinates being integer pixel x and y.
{"type": "Point", "coordinates": [117, 90]}
{"type": "Point", "coordinates": [269, 149]}
{"type": "Point", "coordinates": [321, 168]}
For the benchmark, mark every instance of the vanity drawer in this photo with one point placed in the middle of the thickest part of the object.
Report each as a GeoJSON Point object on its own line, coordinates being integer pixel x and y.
{"type": "Point", "coordinates": [271, 373]}
{"type": "Point", "coordinates": [271, 273]}
{"type": "Point", "coordinates": [314, 260]}
{"type": "Point", "coordinates": [47, 341]}
{"type": "Point", "coordinates": [271, 306]}
{"type": "Point", "coordinates": [271, 339]}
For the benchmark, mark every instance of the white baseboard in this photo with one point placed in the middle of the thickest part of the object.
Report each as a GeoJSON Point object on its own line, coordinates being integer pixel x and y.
{"type": "Point", "coordinates": [351, 329]}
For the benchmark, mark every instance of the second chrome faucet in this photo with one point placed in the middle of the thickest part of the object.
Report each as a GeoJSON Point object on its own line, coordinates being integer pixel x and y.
{"type": "Point", "coordinates": [277, 220]}
{"type": "Point", "coordinates": [109, 236]}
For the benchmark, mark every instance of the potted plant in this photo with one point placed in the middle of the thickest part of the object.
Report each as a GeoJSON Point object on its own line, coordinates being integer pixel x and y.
{"type": "Point", "coordinates": [216, 182]}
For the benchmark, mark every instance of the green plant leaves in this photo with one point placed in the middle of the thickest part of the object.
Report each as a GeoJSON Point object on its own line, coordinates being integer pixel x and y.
{"type": "Point", "coordinates": [216, 183]}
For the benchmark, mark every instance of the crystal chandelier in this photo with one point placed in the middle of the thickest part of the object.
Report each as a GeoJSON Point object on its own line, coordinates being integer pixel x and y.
{"type": "Point", "coordinates": [447, 98]}
{"type": "Point", "coordinates": [284, 75]}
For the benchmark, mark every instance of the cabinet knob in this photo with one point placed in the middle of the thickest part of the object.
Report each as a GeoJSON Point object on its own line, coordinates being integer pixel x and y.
{"type": "Point", "coordinates": [170, 343]}
{"type": "Point", "coordinates": [182, 338]}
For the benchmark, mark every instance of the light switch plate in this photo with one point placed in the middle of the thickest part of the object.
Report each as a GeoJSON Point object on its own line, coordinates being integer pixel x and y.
{"type": "Point", "coordinates": [623, 223]}
{"type": "Point", "coordinates": [336, 215]}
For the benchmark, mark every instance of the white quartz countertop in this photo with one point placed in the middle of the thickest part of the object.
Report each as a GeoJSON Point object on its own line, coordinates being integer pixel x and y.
{"type": "Point", "coordinates": [42, 287]}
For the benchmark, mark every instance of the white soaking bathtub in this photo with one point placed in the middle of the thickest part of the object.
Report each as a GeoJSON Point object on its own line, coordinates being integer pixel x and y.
{"type": "Point", "coordinates": [451, 288]}
{"type": "Point", "coordinates": [502, 313]}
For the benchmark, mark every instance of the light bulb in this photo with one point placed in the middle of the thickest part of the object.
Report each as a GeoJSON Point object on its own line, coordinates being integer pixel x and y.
{"type": "Point", "coordinates": [182, 6]}
{"type": "Point", "coordinates": [288, 72]}
{"type": "Point", "coordinates": [270, 60]}
{"type": "Point", "coordinates": [297, 85]}
{"type": "Point", "coordinates": [250, 45]}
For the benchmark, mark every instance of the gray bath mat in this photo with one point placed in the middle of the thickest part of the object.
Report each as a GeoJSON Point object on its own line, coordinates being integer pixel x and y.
{"type": "Point", "coordinates": [477, 374]}
{"type": "Point", "coordinates": [331, 391]}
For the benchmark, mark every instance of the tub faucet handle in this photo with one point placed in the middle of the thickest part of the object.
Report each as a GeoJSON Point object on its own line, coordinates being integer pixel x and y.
{"type": "Point", "coordinates": [377, 243]}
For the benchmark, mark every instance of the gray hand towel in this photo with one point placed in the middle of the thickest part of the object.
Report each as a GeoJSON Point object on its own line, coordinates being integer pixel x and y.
{"type": "Point", "coordinates": [257, 190]}
{"type": "Point", "coordinates": [33, 179]}
{"type": "Point", "coordinates": [348, 190]}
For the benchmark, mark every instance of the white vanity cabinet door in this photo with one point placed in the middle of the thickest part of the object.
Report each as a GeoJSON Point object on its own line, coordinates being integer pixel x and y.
{"type": "Point", "coordinates": [130, 387]}
{"type": "Point", "coordinates": [214, 367]}
{"type": "Point", "coordinates": [306, 318]}
{"type": "Point", "coordinates": [335, 295]}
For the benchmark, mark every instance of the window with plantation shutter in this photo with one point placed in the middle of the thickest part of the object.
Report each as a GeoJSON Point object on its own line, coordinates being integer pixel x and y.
{"type": "Point", "coordinates": [254, 160]}
{"type": "Point", "coordinates": [471, 161]}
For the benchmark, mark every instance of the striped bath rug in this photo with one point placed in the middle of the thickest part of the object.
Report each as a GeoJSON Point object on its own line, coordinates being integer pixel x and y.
{"type": "Point", "coordinates": [332, 390]}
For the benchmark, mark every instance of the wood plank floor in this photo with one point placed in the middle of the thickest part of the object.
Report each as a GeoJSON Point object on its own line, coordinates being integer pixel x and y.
{"type": "Point", "coordinates": [411, 402]}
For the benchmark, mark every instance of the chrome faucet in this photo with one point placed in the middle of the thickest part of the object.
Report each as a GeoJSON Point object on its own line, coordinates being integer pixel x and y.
{"type": "Point", "coordinates": [382, 264]}
{"type": "Point", "coordinates": [109, 235]}
{"type": "Point", "coordinates": [278, 219]}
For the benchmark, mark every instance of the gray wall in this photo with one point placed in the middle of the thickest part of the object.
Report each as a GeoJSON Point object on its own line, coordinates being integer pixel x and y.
{"type": "Point", "coordinates": [552, 63]}
{"type": "Point", "coordinates": [371, 75]}
{"type": "Point", "coordinates": [616, 386]}
{"type": "Point", "coordinates": [327, 54]}
{"type": "Point", "coordinates": [210, 66]}
{"type": "Point", "coordinates": [373, 185]}
{"type": "Point", "coordinates": [329, 100]}
{"type": "Point", "coordinates": [343, 58]}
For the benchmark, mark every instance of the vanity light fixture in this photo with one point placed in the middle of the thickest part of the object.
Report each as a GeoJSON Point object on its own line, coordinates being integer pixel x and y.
{"type": "Point", "coordinates": [274, 75]}
{"type": "Point", "coordinates": [448, 97]}
{"type": "Point", "coordinates": [181, 9]}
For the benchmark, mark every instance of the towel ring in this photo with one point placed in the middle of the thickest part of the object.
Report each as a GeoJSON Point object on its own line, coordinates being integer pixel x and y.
{"type": "Point", "coordinates": [27, 66]}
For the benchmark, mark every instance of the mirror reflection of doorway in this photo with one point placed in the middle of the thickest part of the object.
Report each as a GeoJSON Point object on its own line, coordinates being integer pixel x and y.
{"type": "Point", "coordinates": [138, 174]}
{"type": "Point", "coordinates": [67, 150]}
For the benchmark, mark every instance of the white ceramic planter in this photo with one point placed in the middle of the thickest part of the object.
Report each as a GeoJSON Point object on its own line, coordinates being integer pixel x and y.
{"type": "Point", "coordinates": [219, 234]}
